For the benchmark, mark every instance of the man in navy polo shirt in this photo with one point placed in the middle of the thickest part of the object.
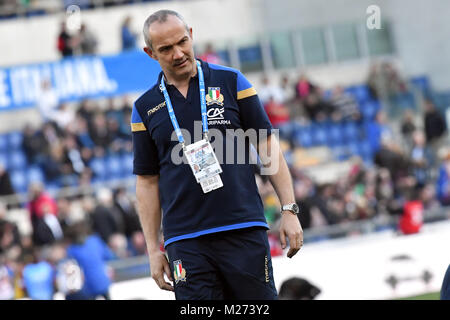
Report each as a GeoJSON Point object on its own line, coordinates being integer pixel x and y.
{"type": "Point", "coordinates": [214, 228]}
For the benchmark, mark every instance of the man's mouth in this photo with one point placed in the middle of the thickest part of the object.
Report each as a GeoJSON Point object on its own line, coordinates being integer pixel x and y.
{"type": "Point", "coordinates": [180, 64]}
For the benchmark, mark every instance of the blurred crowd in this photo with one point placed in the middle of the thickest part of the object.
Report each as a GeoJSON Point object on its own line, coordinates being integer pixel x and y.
{"type": "Point", "coordinates": [72, 239]}
{"type": "Point", "coordinates": [408, 174]}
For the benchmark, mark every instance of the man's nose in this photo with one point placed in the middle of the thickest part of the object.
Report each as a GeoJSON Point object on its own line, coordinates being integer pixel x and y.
{"type": "Point", "coordinates": [177, 53]}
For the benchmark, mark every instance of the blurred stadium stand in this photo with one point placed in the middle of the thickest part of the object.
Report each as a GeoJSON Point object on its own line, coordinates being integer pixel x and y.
{"type": "Point", "coordinates": [330, 51]}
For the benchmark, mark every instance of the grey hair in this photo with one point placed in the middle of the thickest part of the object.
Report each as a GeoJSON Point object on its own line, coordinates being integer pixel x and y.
{"type": "Point", "coordinates": [159, 16]}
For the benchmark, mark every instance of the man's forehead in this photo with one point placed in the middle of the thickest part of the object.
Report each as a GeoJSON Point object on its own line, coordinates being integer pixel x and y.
{"type": "Point", "coordinates": [170, 24]}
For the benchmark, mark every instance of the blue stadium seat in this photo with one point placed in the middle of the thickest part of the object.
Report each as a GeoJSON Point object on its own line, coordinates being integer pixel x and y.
{"type": "Point", "coordinates": [19, 181]}
{"type": "Point", "coordinates": [422, 83]}
{"type": "Point", "coordinates": [359, 92]}
{"type": "Point", "coordinates": [369, 109]}
{"type": "Point", "coordinates": [350, 131]}
{"type": "Point", "coordinates": [3, 142]}
{"type": "Point", "coordinates": [113, 167]}
{"type": "Point", "coordinates": [127, 164]}
{"type": "Point", "coordinates": [319, 134]}
{"type": "Point", "coordinates": [3, 159]}
{"type": "Point", "coordinates": [35, 174]}
{"type": "Point", "coordinates": [303, 137]}
{"type": "Point", "coordinates": [335, 134]}
{"type": "Point", "coordinates": [17, 160]}
{"type": "Point", "coordinates": [15, 140]}
{"type": "Point", "coordinates": [98, 167]}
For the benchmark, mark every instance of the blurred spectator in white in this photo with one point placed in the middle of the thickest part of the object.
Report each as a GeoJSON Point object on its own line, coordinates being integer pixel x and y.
{"type": "Point", "coordinates": [346, 107]}
{"type": "Point", "coordinates": [47, 100]}
{"type": "Point", "coordinates": [87, 41]}
{"type": "Point", "coordinates": [63, 116]}
{"type": "Point", "coordinates": [210, 55]}
{"type": "Point", "coordinates": [288, 89]}
{"type": "Point", "coordinates": [270, 91]}
{"type": "Point", "coordinates": [128, 37]}
{"type": "Point", "coordinates": [65, 42]}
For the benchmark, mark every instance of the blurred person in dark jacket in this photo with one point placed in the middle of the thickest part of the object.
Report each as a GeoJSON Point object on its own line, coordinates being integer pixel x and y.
{"type": "Point", "coordinates": [106, 219]}
{"type": "Point", "coordinates": [434, 124]}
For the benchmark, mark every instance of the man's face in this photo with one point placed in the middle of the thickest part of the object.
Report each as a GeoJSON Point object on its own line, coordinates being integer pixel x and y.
{"type": "Point", "coordinates": [172, 47]}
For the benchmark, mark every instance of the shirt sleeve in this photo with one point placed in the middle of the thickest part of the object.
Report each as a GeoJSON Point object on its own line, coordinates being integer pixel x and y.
{"type": "Point", "coordinates": [145, 161]}
{"type": "Point", "coordinates": [253, 115]}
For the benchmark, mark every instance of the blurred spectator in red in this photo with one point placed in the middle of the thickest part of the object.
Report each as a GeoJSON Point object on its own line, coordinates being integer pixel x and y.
{"type": "Point", "coordinates": [65, 42]}
{"type": "Point", "coordinates": [43, 216]}
{"type": "Point", "coordinates": [128, 37]}
{"type": "Point", "coordinates": [304, 87]}
{"type": "Point", "coordinates": [277, 112]}
{"type": "Point", "coordinates": [412, 218]}
{"type": "Point", "coordinates": [210, 55]}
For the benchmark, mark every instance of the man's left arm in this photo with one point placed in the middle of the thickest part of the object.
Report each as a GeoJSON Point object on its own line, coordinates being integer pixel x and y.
{"type": "Point", "coordinates": [254, 117]}
{"type": "Point", "coordinates": [277, 169]}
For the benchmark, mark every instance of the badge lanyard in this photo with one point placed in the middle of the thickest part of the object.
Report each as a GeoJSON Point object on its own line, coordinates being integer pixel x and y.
{"type": "Point", "coordinates": [173, 118]}
{"type": "Point", "coordinates": [200, 155]}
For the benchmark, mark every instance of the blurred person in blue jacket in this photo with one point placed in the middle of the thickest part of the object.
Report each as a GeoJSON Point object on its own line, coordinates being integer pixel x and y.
{"type": "Point", "coordinates": [128, 37]}
{"type": "Point", "coordinates": [91, 254]}
{"type": "Point", "coordinates": [38, 275]}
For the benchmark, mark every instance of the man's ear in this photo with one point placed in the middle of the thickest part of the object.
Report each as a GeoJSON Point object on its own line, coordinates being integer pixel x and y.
{"type": "Point", "coordinates": [190, 33]}
{"type": "Point", "coordinates": [149, 52]}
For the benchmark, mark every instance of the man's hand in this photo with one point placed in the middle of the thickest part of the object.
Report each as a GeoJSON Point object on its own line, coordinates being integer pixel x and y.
{"type": "Point", "coordinates": [158, 267]}
{"type": "Point", "coordinates": [291, 229]}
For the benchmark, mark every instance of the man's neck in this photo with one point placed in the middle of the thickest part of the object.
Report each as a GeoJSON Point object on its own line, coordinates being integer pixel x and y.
{"type": "Point", "coordinates": [182, 81]}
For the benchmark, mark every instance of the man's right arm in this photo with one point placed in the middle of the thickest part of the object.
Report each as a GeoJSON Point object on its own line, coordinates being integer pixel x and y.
{"type": "Point", "coordinates": [149, 209]}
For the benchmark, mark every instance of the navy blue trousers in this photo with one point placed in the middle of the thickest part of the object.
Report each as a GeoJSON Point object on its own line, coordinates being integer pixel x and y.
{"type": "Point", "coordinates": [230, 265]}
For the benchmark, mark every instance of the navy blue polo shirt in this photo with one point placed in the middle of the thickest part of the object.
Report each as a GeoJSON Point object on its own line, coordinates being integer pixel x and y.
{"type": "Point", "coordinates": [232, 104]}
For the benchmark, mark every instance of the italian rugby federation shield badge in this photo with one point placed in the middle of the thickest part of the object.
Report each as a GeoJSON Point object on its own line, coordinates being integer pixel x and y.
{"type": "Point", "coordinates": [214, 96]}
{"type": "Point", "coordinates": [179, 272]}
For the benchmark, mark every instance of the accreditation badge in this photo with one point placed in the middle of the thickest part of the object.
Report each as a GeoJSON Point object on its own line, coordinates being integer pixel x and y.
{"type": "Point", "coordinates": [204, 165]}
